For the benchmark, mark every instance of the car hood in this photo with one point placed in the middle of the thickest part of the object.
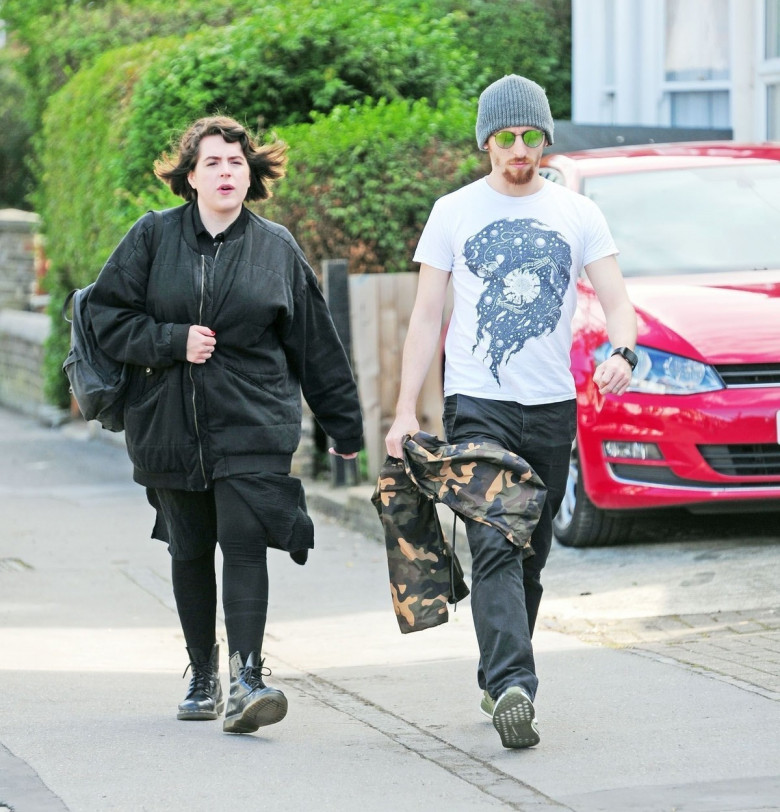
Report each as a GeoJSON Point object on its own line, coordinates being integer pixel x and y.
{"type": "Point", "coordinates": [721, 318]}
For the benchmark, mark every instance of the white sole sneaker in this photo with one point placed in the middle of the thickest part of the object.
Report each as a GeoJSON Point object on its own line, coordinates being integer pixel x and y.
{"type": "Point", "coordinates": [486, 705]}
{"type": "Point", "coordinates": [515, 720]}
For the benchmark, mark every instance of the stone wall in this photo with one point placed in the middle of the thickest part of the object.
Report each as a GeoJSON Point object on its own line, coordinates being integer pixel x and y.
{"type": "Point", "coordinates": [18, 231]}
{"type": "Point", "coordinates": [23, 330]}
{"type": "Point", "coordinates": [22, 336]}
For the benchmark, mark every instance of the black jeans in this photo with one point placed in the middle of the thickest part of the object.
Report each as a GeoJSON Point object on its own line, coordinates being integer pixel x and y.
{"type": "Point", "coordinates": [505, 588]}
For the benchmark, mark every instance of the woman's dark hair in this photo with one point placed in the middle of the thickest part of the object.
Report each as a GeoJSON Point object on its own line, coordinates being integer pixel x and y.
{"type": "Point", "coordinates": [267, 162]}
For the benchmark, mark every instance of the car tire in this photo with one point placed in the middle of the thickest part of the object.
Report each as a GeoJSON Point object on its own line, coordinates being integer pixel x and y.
{"type": "Point", "coordinates": [579, 523]}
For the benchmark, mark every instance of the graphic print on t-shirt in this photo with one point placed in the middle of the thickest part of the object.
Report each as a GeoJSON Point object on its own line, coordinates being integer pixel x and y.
{"type": "Point", "coordinates": [526, 268]}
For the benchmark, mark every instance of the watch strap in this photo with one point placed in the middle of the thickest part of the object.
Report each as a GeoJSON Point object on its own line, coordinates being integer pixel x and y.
{"type": "Point", "coordinates": [629, 355]}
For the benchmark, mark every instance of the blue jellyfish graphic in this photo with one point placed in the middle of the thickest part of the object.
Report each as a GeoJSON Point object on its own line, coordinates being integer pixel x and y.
{"type": "Point", "coordinates": [526, 268]}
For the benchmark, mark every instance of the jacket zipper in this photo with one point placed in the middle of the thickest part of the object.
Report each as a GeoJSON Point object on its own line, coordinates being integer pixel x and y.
{"type": "Point", "coordinates": [192, 379]}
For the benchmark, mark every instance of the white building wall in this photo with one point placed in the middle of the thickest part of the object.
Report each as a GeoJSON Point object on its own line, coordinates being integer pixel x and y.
{"type": "Point", "coordinates": [618, 70]}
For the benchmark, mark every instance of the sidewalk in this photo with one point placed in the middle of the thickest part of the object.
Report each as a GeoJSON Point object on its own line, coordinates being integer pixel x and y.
{"type": "Point", "coordinates": [91, 657]}
{"type": "Point", "coordinates": [740, 646]}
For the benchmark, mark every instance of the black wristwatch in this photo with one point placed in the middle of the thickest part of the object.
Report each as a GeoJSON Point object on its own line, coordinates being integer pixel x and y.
{"type": "Point", "coordinates": [629, 355]}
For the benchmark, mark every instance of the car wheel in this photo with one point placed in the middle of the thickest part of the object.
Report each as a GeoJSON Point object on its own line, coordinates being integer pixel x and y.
{"type": "Point", "coordinates": [579, 523]}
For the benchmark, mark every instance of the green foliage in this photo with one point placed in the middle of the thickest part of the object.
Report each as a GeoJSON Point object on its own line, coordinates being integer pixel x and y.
{"type": "Point", "coordinates": [16, 181]}
{"type": "Point", "coordinates": [294, 59]}
{"type": "Point", "coordinates": [361, 180]}
{"type": "Point", "coordinates": [51, 40]}
{"type": "Point", "coordinates": [84, 207]}
{"type": "Point", "coordinates": [55, 38]}
{"type": "Point", "coordinates": [529, 37]}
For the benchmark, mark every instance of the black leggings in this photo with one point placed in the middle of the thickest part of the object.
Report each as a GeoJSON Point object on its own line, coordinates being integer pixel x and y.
{"type": "Point", "coordinates": [193, 523]}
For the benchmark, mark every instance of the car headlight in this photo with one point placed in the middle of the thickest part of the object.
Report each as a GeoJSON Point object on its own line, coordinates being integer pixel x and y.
{"type": "Point", "coordinates": [662, 373]}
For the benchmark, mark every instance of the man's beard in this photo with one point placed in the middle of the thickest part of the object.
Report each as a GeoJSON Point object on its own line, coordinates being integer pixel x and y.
{"type": "Point", "coordinates": [519, 177]}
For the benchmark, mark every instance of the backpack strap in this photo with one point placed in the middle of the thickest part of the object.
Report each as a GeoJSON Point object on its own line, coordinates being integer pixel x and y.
{"type": "Point", "coordinates": [66, 304]}
{"type": "Point", "coordinates": [157, 232]}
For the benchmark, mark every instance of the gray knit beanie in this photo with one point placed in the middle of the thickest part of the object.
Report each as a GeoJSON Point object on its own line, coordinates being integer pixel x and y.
{"type": "Point", "coordinates": [513, 101]}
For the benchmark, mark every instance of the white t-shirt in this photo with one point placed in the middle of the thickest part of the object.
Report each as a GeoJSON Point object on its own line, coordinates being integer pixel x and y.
{"type": "Point", "coordinates": [514, 264]}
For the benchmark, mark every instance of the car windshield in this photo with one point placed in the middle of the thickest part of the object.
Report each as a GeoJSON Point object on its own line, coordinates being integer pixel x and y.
{"type": "Point", "coordinates": [693, 220]}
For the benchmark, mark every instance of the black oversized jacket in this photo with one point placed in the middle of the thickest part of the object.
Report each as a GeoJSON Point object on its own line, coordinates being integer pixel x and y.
{"type": "Point", "coordinates": [240, 412]}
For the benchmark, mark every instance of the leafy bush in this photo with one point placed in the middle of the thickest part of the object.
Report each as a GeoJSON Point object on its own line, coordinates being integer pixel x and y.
{"type": "Point", "coordinates": [55, 38]}
{"type": "Point", "coordinates": [528, 37]}
{"type": "Point", "coordinates": [293, 59]}
{"type": "Point", "coordinates": [361, 180]}
{"type": "Point", "coordinates": [82, 202]}
{"type": "Point", "coordinates": [103, 129]}
{"type": "Point", "coordinates": [14, 145]}
{"type": "Point", "coordinates": [51, 40]}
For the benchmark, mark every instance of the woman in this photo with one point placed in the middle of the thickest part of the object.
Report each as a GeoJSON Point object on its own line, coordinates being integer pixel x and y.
{"type": "Point", "coordinates": [223, 325]}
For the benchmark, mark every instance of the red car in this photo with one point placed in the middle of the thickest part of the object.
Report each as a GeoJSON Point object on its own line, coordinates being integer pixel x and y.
{"type": "Point", "coordinates": [698, 228]}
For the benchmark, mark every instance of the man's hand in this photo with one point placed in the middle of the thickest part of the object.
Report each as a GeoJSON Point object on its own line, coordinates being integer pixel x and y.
{"type": "Point", "coordinates": [613, 376]}
{"type": "Point", "coordinates": [402, 425]}
{"type": "Point", "coordinates": [200, 344]}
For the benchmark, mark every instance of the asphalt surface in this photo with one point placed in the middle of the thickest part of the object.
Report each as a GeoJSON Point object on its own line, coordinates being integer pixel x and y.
{"type": "Point", "coordinates": [658, 667]}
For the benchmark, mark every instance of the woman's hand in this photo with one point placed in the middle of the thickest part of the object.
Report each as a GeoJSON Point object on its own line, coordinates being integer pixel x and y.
{"type": "Point", "coordinates": [200, 344]}
{"type": "Point", "coordinates": [343, 456]}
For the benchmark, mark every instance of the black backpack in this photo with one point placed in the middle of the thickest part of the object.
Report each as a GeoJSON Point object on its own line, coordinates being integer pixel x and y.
{"type": "Point", "coordinates": [97, 381]}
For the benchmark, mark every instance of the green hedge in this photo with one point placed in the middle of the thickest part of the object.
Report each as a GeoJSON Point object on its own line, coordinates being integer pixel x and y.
{"type": "Point", "coordinates": [81, 199]}
{"type": "Point", "coordinates": [49, 41]}
{"type": "Point", "coordinates": [361, 180]}
{"type": "Point", "coordinates": [103, 130]}
{"type": "Point", "coordinates": [528, 37]}
{"type": "Point", "coordinates": [56, 38]}
{"type": "Point", "coordinates": [292, 60]}
{"type": "Point", "coordinates": [14, 145]}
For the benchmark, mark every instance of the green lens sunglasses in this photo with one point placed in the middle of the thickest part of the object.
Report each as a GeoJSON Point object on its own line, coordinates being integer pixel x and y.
{"type": "Point", "coordinates": [531, 138]}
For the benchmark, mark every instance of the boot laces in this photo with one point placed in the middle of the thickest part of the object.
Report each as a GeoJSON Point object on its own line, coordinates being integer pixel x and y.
{"type": "Point", "coordinates": [253, 675]}
{"type": "Point", "coordinates": [201, 676]}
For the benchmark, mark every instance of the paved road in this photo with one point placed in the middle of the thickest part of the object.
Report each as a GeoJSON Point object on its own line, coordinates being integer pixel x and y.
{"type": "Point", "coordinates": [91, 659]}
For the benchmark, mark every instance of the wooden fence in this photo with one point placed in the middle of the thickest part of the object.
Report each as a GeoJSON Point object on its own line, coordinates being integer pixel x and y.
{"type": "Point", "coordinates": [380, 307]}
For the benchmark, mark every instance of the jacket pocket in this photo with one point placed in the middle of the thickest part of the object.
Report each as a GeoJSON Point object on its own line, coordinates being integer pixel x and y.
{"type": "Point", "coordinates": [270, 382]}
{"type": "Point", "coordinates": [251, 399]}
{"type": "Point", "coordinates": [145, 420]}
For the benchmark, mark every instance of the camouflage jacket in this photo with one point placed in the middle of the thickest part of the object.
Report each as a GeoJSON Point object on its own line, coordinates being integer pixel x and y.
{"type": "Point", "coordinates": [477, 480]}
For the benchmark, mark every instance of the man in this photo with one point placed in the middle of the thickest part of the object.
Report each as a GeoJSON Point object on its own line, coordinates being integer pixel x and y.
{"type": "Point", "coordinates": [513, 244]}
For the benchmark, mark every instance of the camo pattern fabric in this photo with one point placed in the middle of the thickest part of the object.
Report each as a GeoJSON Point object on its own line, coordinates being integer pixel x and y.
{"type": "Point", "coordinates": [425, 574]}
{"type": "Point", "coordinates": [476, 480]}
{"type": "Point", "coordinates": [480, 481]}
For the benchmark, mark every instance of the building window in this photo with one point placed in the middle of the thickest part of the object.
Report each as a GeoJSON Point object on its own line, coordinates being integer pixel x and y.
{"type": "Point", "coordinates": [772, 17]}
{"type": "Point", "coordinates": [773, 112]}
{"type": "Point", "coordinates": [697, 40]}
{"type": "Point", "coordinates": [697, 63]}
{"type": "Point", "coordinates": [610, 38]}
{"type": "Point", "coordinates": [700, 109]}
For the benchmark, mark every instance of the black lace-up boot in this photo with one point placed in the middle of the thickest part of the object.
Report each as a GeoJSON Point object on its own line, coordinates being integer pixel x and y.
{"type": "Point", "coordinates": [204, 696]}
{"type": "Point", "coordinates": [251, 704]}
